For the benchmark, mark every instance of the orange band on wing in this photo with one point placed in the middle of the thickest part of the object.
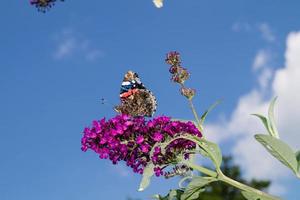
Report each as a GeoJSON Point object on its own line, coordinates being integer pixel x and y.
{"type": "Point", "coordinates": [129, 93]}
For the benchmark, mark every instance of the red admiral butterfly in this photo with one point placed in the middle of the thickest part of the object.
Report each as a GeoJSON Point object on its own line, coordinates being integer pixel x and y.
{"type": "Point", "coordinates": [136, 99]}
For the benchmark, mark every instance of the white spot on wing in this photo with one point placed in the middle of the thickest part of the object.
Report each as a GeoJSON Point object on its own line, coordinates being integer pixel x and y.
{"type": "Point", "coordinates": [126, 83]}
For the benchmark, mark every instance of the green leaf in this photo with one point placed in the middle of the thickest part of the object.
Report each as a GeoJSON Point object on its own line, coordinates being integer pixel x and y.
{"type": "Point", "coordinates": [279, 150]}
{"type": "Point", "coordinates": [265, 123]}
{"type": "Point", "coordinates": [158, 197]}
{"type": "Point", "coordinates": [212, 150]}
{"type": "Point", "coordinates": [148, 173]}
{"type": "Point", "coordinates": [271, 121]}
{"type": "Point", "coordinates": [254, 196]}
{"type": "Point", "coordinates": [204, 115]}
{"type": "Point", "coordinates": [195, 187]}
{"type": "Point", "coordinates": [175, 194]}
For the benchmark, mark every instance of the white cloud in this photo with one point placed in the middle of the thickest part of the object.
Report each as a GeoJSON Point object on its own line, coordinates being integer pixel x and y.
{"type": "Point", "coordinates": [264, 78]}
{"type": "Point", "coordinates": [266, 32]}
{"type": "Point", "coordinates": [285, 84]}
{"type": "Point", "coordinates": [65, 48]}
{"type": "Point", "coordinates": [241, 26]}
{"type": "Point", "coordinates": [261, 59]}
{"type": "Point", "coordinates": [263, 28]}
{"type": "Point", "coordinates": [70, 44]}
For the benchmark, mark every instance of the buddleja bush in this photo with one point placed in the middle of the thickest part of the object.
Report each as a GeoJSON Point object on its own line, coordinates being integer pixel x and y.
{"type": "Point", "coordinates": [166, 147]}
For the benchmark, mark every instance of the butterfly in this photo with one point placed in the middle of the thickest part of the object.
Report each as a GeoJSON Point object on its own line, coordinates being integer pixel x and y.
{"type": "Point", "coordinates": [136, 99]}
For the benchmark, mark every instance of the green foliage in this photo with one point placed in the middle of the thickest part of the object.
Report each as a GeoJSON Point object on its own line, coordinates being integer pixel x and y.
{"type": "Point", "coordinates": [172, 195]}
{"type": "Point", "coordinates": [148, 173]}
{"type": "Point", "coordinates": [265, 122]}
{"type": "Point", "coordinates": [220, 191]}
{"type": "Point", "coordinates": [253, 196]}
{"type": "Point", "coordinates": [269, 122]}
{"type": "Point", "coordinates": [212, 150]}
{"type": "Point", "coordinates": [196, 187]}
{"type": "Point", "coordinates": [204, 115]}
{"type": "Point", "coordinates": [272, 123]}
{"type": "Point", "coordinates": [279, 150]}
{"type": "Point", "coordinates": [209, 149]}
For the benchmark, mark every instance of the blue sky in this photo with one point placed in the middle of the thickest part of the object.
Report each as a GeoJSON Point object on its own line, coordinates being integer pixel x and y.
{"type": "Point", "coordinates": [55, 68]}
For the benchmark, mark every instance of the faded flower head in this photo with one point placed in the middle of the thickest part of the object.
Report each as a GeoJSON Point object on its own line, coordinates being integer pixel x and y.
{"type": "Point", "coordinates": [132, 139]}
{"type": "Point", "coordinates": [43, 5]}
{"type": "Point", "coordinates": [188, 92]}
{"type": "Point", "coordinates": [173, 58]}
{"type": "Point", "coordinates": [179, 74]}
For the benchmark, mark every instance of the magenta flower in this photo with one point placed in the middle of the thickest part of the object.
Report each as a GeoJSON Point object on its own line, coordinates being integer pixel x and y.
{"type": "Point", "coordinates": [140, 139]}
{"type": "Point", "coordinates": [157, 137]}
{"type": "Point", "coordinates": [130, 139]}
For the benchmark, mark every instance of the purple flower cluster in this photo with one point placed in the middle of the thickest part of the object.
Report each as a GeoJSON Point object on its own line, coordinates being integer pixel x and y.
{"type": "Point", "coordinates": [43, 5]}
{"type": "Point", "coordinates": [130, 139]}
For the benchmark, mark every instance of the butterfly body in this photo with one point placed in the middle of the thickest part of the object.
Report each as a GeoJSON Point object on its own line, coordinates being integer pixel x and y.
{"type": "Point", "coordinates": [136, 99]}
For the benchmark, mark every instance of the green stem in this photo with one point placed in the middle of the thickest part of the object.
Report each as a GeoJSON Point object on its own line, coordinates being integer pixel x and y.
{"type": "Point", "coordinates": [195, 114]}
{"type": "Point", "coordinates": [244, 187]}
{"type": "Point", "coordinates": [194, 111]}
{"type": "Point", "coordinates": [221, 177]}
{"type": "Point", "coordinates": [203, 170]}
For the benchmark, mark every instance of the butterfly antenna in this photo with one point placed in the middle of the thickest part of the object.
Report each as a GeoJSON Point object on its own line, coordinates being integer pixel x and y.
{"type": "Point", "coordinates": [105, 102]}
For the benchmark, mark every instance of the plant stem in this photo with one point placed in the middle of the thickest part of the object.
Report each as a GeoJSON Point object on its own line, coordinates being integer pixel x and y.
{"type": "Point", "coordinates": [195, 114]}
{"type": "Point", "coordinates": [203, 170]}
{"type": "Point", "coordinates": [193, 110]}
{"type": "Point", "coordinates": [244, 187]}
{"type": "Point", "coordinates": [221, 177]}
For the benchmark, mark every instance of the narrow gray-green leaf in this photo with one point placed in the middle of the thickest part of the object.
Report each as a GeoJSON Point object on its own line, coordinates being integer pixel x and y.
{"type": "Point", "coordinates": [195, 187]}
{"type": "Point", "coordinates": [213, 151]}
{"type": "Point", "coordinates": [157, 197]}
{"type": "Point", "coordinates": [146, 179]}
{"type": "Point", "coordinates": [254, 196]}
{"type": "Point", "coordinates": [265, 123]}
{"type": "Point", "coordinates": [175, 194]}
{"type": "Point", "coordinates": [279, 150]}
{"type": "Point", "coordinates": [271, 121]}
{"type": "Point", "coordinates": [204, 115]}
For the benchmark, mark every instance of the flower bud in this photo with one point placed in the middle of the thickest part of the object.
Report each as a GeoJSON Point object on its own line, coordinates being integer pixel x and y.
{"type": "Point", "coordinates": [188, 92]}
{"type": "Point", "coordinates": [173, 58]}
{"type": "Point", "coordinates": [181, 75]}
